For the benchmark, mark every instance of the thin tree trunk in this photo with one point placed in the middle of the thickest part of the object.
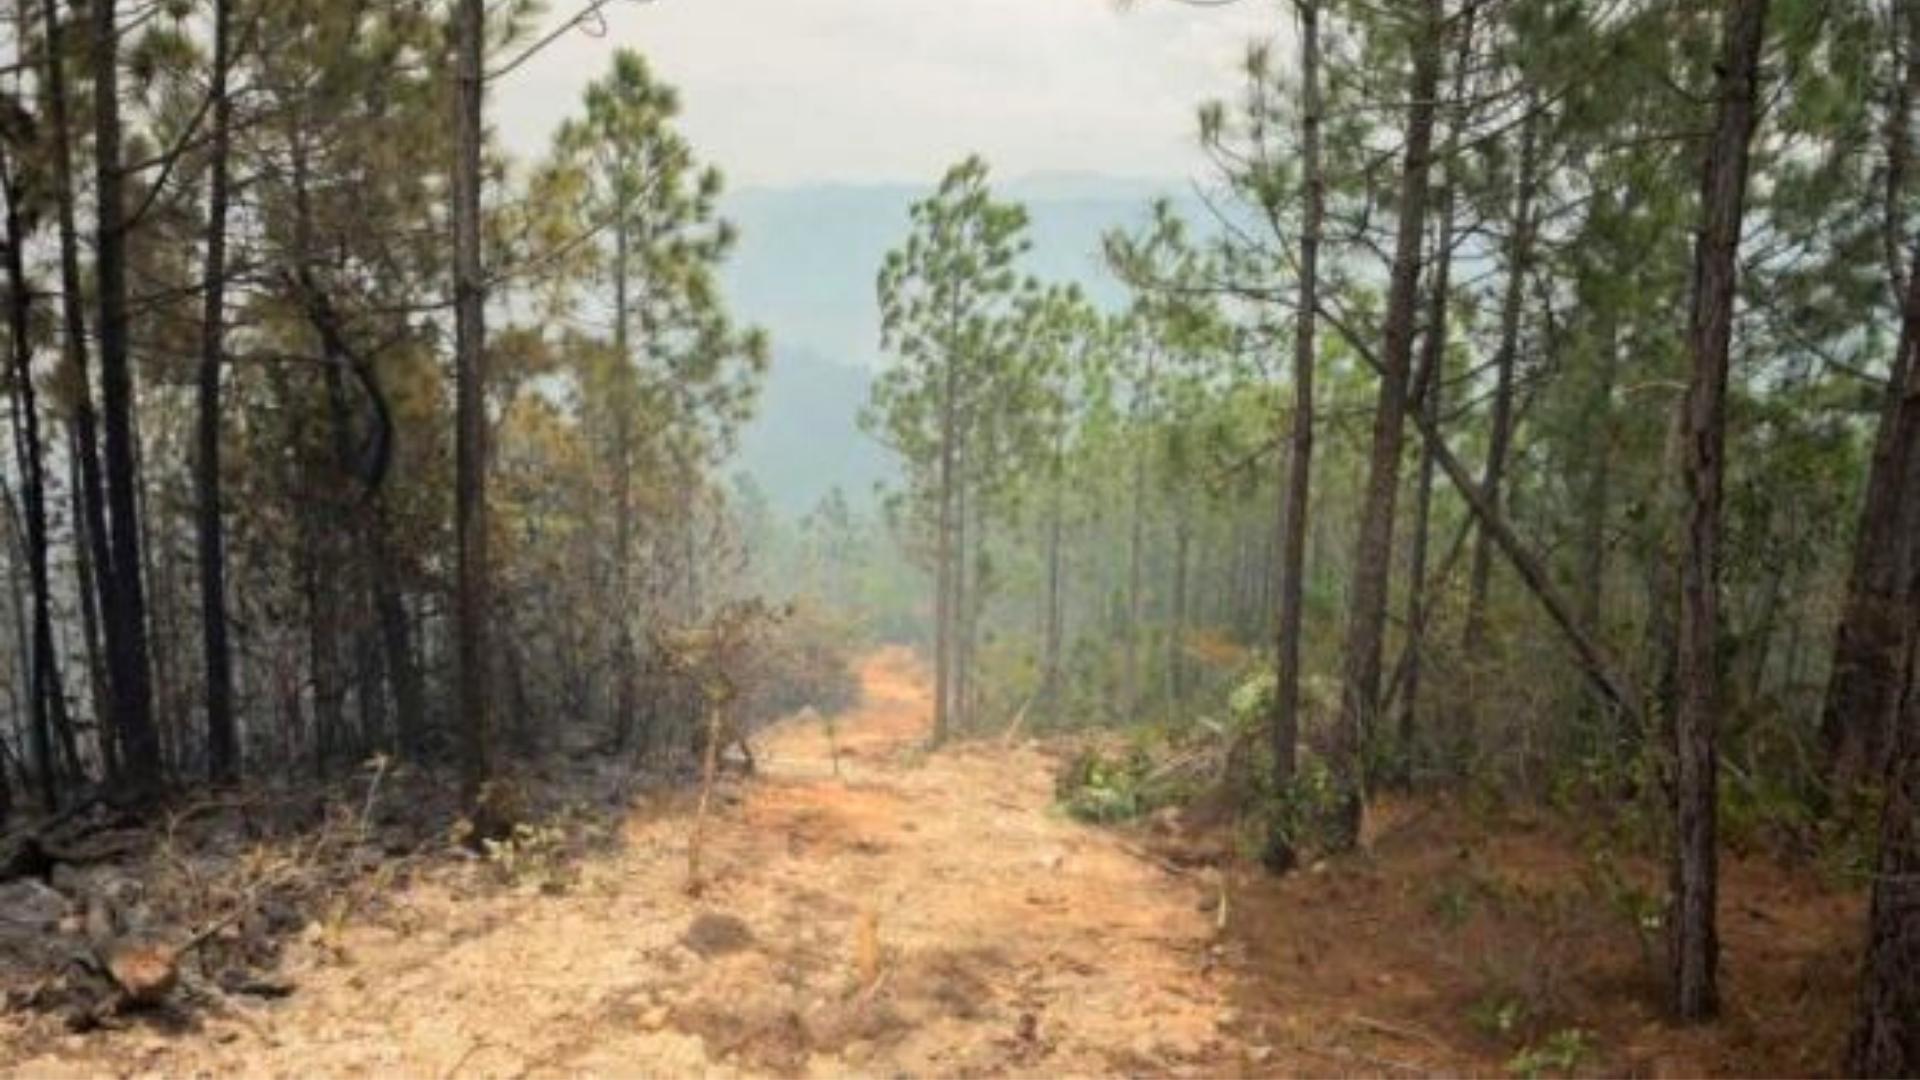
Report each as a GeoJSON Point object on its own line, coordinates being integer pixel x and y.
{"type": "Point", "coordinates": [403, 666]}
{"type": "Point", "coordinates": [943, 558]}
{"type": "Point", "coordinates": [1136, 541]}
{"type": "Point", "coordinates": [1506, 357]}
{"type": "Point", "coordinates": [1051, 624]}
{"type": "Point", "coordinates": [1373, 552]}
{"type": "Point", "coordinates": [472, 599]}
{"type": "Point", "coordinates": [1428, 381]}
{"type": "Point", "coordinates": [1694, 947]}
{"type": "Point", "coordinates": [223, 743]}
{"type": "Point", "coordinates": [957, 708]}
{"type": "Point", "coordinates": [1284, 729]}
{"type": "Point", "coordinates": [45, 695]}
{"type": "Point", "coordinates": [126, 617]}
{"type": "Point", "coordinates": [627, 661]}
{"type": "Point", "coordinates": [90, 531]}
{"type": "Point", "coordinates": [1177, 625]}
{"type": "Point", "coordinates": [1594, 500]}
{"type": "Point", "coordinates": [105, 733]}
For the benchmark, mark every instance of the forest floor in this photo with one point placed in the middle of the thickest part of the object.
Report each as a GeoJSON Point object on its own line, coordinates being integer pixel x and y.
{"type": "Point", "coordinates": [888, 911]}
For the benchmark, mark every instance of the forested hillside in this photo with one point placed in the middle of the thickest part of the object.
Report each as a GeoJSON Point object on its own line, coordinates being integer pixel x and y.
{"type": "Point", "coordinates": [1435, 590]}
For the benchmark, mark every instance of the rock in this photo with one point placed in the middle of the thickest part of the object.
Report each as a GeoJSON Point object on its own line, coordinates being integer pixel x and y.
{"type": "Point", "coordinates": [30, 906]}
{"type": "Point", "coordinates": [655, 1018]}
{"type": "Point", "coordinates": [145, 970]}
{"type": "Point", "coordinates": [712, 935]}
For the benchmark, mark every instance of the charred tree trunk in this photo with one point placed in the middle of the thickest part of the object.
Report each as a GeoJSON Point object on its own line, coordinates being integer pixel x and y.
{"type": "Point", "coordinates": [46, 697]}
{"type": "Point", "coordinates": [1373, 554]}
{"type": "Point", "coordinates": [126, 614]}
{"type": "Point", "coordinates": [1693, 945]}
{"type": "Point", "coordinates": [90, 615]}
{"type": "Point", "coordinates": [223, 742]}
{"type": "Point", "coordinates": [472, 600]}
{"type": "Point", "coordinates": [90, 529]}
{"type": "Point", "coordinates": [396, 638]}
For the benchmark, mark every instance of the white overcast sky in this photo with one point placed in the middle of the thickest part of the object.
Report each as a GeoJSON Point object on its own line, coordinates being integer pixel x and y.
{"type": "Point", "coordinates": [784, 92]}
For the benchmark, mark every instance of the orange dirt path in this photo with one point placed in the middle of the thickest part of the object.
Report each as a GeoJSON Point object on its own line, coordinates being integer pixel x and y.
{"type": "Point", "coordinates": [920, 913]}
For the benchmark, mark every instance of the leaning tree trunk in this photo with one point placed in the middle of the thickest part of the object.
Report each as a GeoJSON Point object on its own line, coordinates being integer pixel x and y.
{"type": "Point", "coordinates": [1373, 552]}
{"type": "Point", "coordinates": [126, 617]}
{"type": "Point", "coordinates": [471, 600]}
{"type": "Point", "coordinates": [1693, 944]}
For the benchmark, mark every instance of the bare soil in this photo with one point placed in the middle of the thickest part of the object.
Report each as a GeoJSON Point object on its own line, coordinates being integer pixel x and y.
{"type": "Point", "coordinates": [889, 911]}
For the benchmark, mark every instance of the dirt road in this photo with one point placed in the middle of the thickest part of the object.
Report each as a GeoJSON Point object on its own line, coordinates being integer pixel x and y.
{"type": "Point", "coordinates": [927, 914]}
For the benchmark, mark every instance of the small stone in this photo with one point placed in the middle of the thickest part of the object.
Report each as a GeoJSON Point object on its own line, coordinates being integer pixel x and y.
{"type": "Point", "coordinates": [655, 1018]}
{"type": "Point", "coordinates": [1260, 1055]}
{"type": "Point", "coordinates": [29, 905]}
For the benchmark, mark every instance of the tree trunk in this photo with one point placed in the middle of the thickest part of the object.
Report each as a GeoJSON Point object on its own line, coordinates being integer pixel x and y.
{"type": "Point", "coordinates": [944, 556]}
{"type": "Point", "coordinates": [126, 616]}
{"type": "Point", "coordinates": [46, 698]}
{"type": "Point", "coordinates": [1506, 357]}
{"type": "Point", "coordinates": [1428, 379]}
{"type": "Point", "coordinates": [223, 743]}
{"type": "Point", "coordinates": [1051, 631]}
{"type": "Point", "coordinates": [1284, 727]}
{"type": "Point", "coordinates": [1694, 948]}
{"type": "Point", "coordinates": [1177, 624]}
{"type": "Point", "coordinates": [105, 733]}
{"type": "Point", "coordinates": [472, 600]}
{"type": "Point", "coordinates": [627, 659]}
{"type": "Point", "coordinates": [1864, 684]}
{"type": "Point", "coordinates": [1594, 500]}
{"type": "Point", "coordinates": [1886, 1034]}
{"type": "Point", "coordinates": [90, 530]}
{"type": "Point", "coordinates": [1136, 541]}
{"type": "Point", "coordinates": [1373, 553]}
{"type": "Point", "coordinates": [403, 666]}
{"type": "Point", "coordinates": [957, 708]}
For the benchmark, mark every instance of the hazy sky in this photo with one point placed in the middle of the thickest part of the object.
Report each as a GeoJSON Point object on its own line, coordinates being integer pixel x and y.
{"type": "Point", "coordinates": [780, 92]}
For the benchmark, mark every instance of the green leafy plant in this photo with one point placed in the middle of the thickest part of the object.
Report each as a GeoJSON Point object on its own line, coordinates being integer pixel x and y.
{"type": "Point", "coordinates": [1559, 1054]}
